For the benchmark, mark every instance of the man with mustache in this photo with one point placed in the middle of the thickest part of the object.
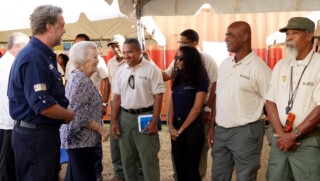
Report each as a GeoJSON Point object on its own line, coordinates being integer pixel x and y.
{"type": "Point", "coordinates": [292, 104]}
{"type": "Point", "coordinates": [37, 99]}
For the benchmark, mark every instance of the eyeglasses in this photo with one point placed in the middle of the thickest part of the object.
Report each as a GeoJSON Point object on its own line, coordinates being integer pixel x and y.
{"type": "Point", "coordinates": [184, 43]}
{"type": "Point", "coordinates": [178, 57]}
{"type": "Point", "coordinates": [131, 81]}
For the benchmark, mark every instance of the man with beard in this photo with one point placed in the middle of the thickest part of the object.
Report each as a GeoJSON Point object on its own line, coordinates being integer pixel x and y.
{"type": "Point", "coordinates": [292, 104]}
{"type": "Point", "coordinates": [36, 99]}
{"type": "Point", "coordinates": [236, 132]}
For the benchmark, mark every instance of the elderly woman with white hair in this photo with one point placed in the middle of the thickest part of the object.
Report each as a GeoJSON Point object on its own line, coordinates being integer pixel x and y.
{"type": "Point", "coordinates": [84, 132]}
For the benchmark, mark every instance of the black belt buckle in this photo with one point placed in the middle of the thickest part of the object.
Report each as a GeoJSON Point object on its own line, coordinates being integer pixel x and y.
{"type": "Point", "coordinates": [138, 111]}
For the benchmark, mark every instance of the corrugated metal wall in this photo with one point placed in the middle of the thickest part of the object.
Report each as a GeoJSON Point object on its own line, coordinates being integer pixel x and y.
{"type": "Point", "coordinates": [212, 27]}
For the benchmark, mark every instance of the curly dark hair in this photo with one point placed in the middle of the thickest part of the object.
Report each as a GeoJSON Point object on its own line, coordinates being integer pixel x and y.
{"type": "Point", "coordinates": [193, 72]}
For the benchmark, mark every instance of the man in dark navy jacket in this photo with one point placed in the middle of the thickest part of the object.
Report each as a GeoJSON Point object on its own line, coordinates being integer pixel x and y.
{"type": "Point", "coordinates": [37, 99]}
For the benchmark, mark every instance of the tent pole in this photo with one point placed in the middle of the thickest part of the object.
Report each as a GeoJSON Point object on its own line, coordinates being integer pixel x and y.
{"type": "Point", "coordinates": [140, 33]}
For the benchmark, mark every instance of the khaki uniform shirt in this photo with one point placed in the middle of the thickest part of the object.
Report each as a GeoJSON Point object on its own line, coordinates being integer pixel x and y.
{"type": "Point", "coordinates": [113, 66]}
{"type": "Point", "coordinates": [308, 92]}
{"type": "Point", "coordinates": [240, 92]}
{"type": "Point", "coordinates": [148, 81]}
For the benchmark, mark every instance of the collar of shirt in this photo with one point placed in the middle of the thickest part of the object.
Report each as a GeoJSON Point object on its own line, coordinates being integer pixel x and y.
{"type": "Point", "coordinates": [44, 48]}
{"type": "Point", "coordinates": [120, 63]}
{"type": "Point", "coordinates": [143, 61]}
{"type": "Point", "coordinates": [246, 60]}
{"type": "Point", "coordinates": [304, 62]}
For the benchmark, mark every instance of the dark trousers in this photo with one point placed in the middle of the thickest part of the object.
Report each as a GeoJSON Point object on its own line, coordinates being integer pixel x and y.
{"type": "Point", "coordinates": [37, 153]}
{"type": "Point", "coordinates": [81, 166]}
{"type": "Point", "coordinates": [7, 165]}
{"type": "Point", "coordinates": [186, 151]}
{"type": "Point", "coordinates": [98, 159]}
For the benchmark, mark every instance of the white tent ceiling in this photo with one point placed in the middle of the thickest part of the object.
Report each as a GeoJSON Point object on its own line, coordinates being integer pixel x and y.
{"type": "Point", "coordinates": [190, 7]}
{"type": "Point", "coordinates": [96, 18]}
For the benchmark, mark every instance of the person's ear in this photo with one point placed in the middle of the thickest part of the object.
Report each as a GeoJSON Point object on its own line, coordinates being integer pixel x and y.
{"type": "Point", "coordinates": [245, 37]}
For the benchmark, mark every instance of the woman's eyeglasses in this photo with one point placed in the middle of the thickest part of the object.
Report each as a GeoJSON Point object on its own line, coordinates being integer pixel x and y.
{"type": "Point", "coordinates": [131, 81]}
{"type": "Point", "coordinates": [178, 58]}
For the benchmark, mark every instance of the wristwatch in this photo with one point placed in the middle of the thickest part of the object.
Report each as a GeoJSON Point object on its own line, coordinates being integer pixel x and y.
{"type": "Point", "coordinates": [207, 109]}
{"type": "Point", "coordinates": [297, 132]}
{"type": "Point", "coordinates": [105, 104]}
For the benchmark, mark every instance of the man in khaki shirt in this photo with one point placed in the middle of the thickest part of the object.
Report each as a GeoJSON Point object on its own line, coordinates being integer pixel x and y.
{"type": "Point", "coordinates": [295, 90]}
{"type": "Point", "coordinates": [237, 129]}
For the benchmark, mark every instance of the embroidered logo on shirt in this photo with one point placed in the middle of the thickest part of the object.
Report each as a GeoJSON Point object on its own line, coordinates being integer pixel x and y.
{"type": "Point", "coordinates": [143, 77]}
{"type": "Point", "coordinates": [51, 66]}
{"type": "Point", "coordinates": [40, 87]}
{"type": "Point", "coordinates": [284, 78]}
{"type": "Point", "coordinates": [308, 83]}
{"type": "Point", "coordinates": [245, 76]}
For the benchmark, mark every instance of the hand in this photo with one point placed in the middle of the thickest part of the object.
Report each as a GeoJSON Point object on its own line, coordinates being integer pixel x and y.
{"type": "Point", "coordinates": [152, 127]}
{"type": "Point", "coordinates": [115, 130]}
{"type": "Point", "coordinates": [206, 117]}
{"type": "Point", "coordinates": [105, 134]}
{"type": "Point", "coordinates": [174, 134]}
{"type": "Point", "coordinates": [210, 136]}
{"type": "Point", "coordinates": [287, 141]}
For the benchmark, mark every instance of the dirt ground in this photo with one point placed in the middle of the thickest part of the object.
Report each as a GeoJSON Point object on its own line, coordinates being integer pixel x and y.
{"type": "Point", "coordinates": [165, 160]}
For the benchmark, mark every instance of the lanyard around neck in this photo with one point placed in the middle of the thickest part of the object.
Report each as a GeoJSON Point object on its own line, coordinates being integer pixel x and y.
{"type": "Point", "coordinates": [293, 93]}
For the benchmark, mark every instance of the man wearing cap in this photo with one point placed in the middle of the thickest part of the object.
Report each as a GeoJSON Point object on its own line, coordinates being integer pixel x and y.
{"type": "Point", "coordinates": [114, 64]}
{"type": "Point", "coordinates": [294, 97]}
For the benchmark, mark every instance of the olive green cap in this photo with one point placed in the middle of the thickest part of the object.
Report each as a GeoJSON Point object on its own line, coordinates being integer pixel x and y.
{"type": "Point", "coordinates": [299, 23]}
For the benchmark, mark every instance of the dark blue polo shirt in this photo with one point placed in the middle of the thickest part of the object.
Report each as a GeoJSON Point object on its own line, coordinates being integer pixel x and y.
{"type": "Point", "coordinates": [183, 97]}
{"type": "Point", "coordinates": [35, 84]}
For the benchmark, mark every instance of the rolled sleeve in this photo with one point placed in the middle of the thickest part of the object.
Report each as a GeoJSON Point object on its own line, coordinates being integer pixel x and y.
{"type": "Point", "coordinates": [37, 88]}
{"type": "Point", "coordinates": [157, 84]}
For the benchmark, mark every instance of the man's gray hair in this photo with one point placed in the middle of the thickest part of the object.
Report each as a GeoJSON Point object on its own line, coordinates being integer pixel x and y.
{"type": "Point", "coordinates": [17, 38]}
{"type": "Point", "coordinates": [79, 52]}
{"type": "Point", "coordinates": [43, 15]}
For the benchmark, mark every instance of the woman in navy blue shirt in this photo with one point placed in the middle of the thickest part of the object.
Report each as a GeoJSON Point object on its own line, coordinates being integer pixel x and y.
{"type": "Point", "coordinates": [189, 87]}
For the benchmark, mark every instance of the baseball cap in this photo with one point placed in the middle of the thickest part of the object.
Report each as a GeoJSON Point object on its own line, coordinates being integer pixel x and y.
{"type": "Point", "coordinates": [299, 23]}
{"type": "Point", "coordinates": [116, 39]}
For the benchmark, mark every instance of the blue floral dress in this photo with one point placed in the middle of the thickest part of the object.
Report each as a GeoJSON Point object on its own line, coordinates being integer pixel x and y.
{"type": "Point", "coordinates": [85, 101]}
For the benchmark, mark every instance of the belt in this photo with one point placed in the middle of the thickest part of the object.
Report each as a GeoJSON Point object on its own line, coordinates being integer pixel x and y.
{"type": "Point", "coordinates": [138, 111]}
{"type": "Point", "coordinates": [25, 124]}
